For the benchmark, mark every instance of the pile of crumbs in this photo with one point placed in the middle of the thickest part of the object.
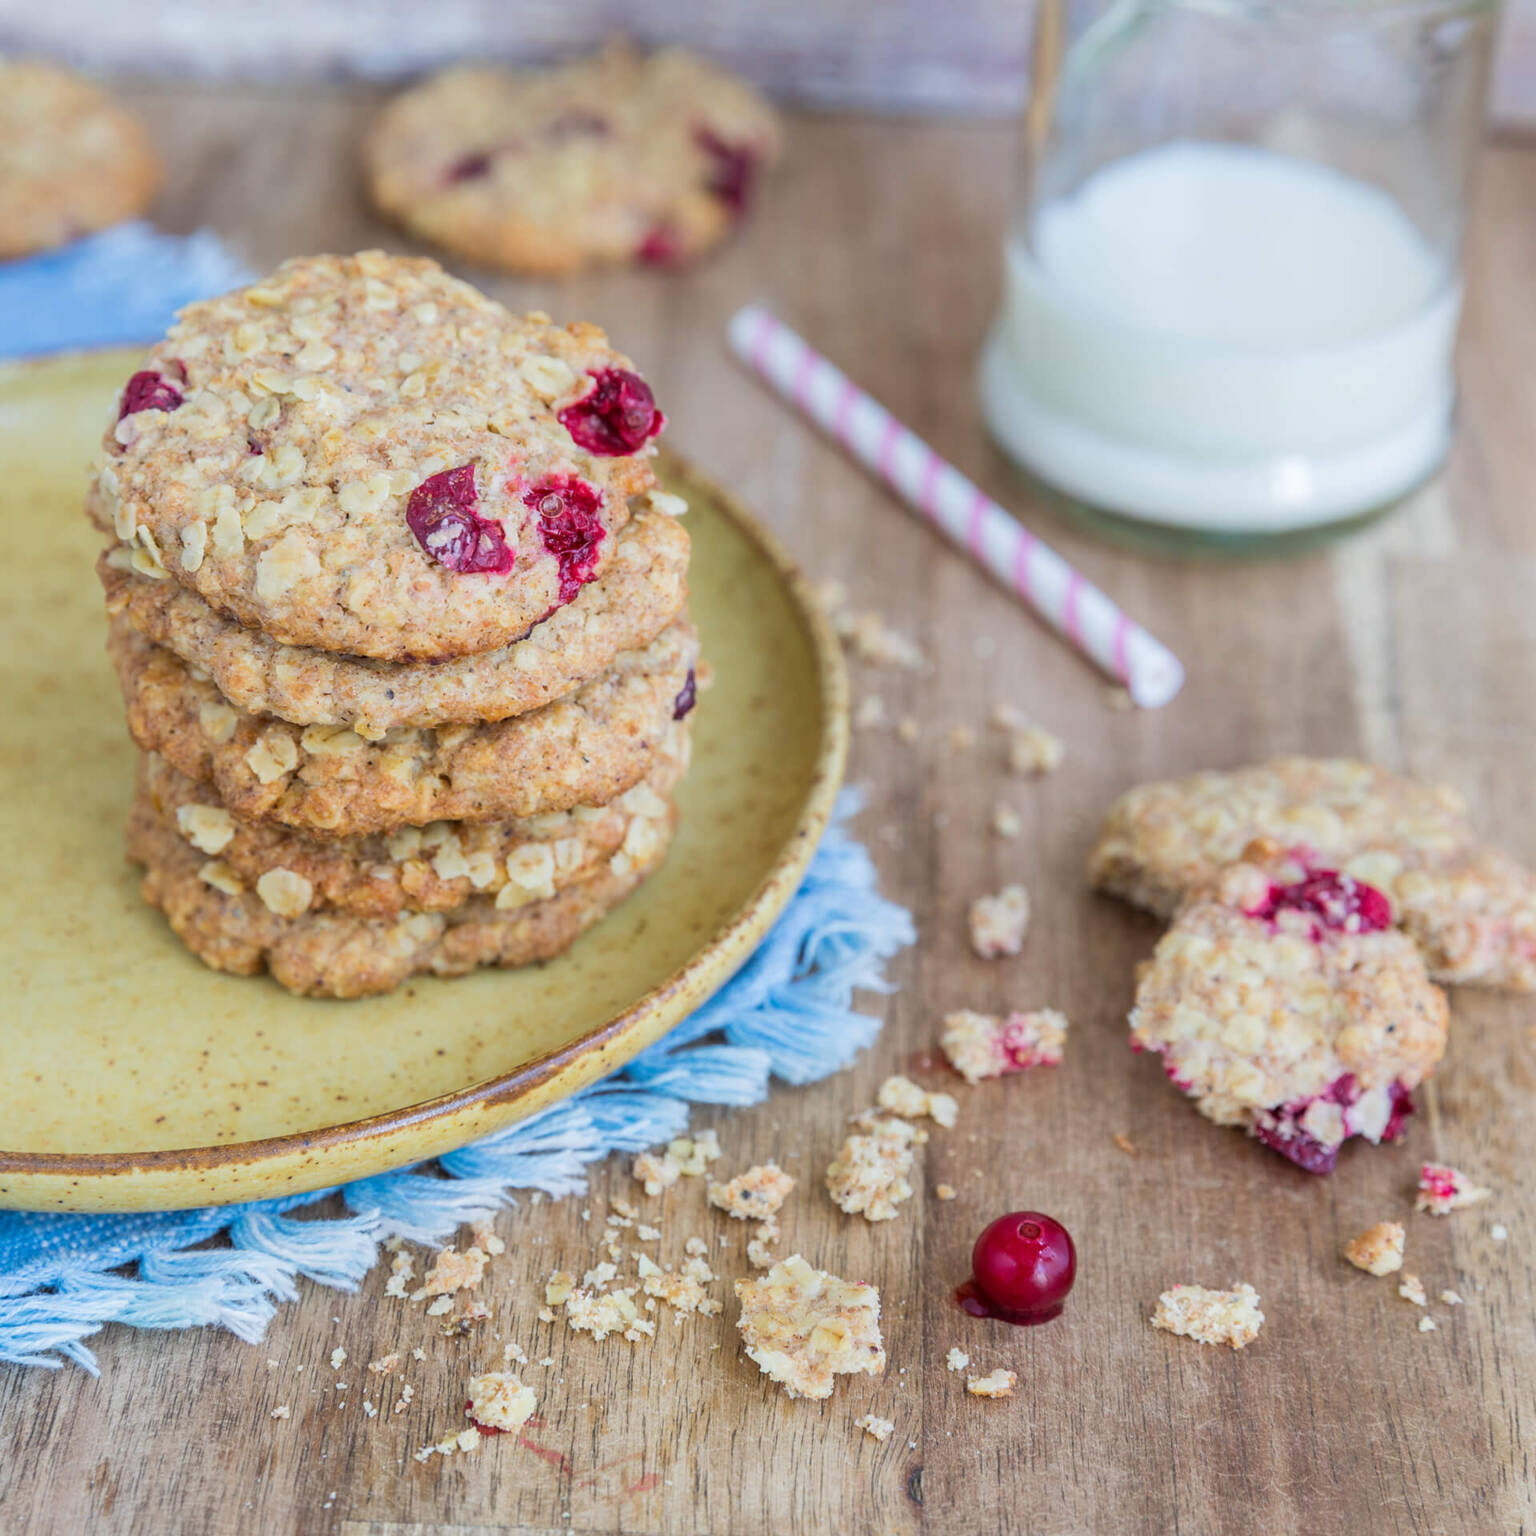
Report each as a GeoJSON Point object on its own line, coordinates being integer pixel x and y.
{"type": "Point", "coordinates": [901, 1096]}
{"type": "Point", "coordinates": [685, 1157]}
{"type": "Point", "coordinates": [1031, 749]}
{"type": "Point", "coordinates": [982, 1045]}
{"type": "Point", "coordinates": [1211, 1317]}
{"type": "Point", "coordinates": [867, 635]}
{"type": "Point", "coordinates": [805, 1326]}
{"type": "Point", "coordinates": [868, 1177]}
{"type": "Point", "coordinates": [998, 923]}
{"type": "Point", "coordinates": [1443, 1189]}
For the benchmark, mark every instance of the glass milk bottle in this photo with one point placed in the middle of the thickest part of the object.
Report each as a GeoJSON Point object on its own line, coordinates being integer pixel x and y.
{"type": "Point", "coordinates": [1233, 281]}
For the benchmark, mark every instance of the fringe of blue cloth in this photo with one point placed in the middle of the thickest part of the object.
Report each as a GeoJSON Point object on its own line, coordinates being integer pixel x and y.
{"type": "Point", "coordinates": [785, 1014]}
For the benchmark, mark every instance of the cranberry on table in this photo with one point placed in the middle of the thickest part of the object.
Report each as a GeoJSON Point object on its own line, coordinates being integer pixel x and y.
{"type": "Point", "coordinates": [1024, 1265]}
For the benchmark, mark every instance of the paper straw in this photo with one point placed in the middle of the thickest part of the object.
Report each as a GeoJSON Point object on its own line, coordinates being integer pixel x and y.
{"type": "Point", "coordinates": [1066, 600]}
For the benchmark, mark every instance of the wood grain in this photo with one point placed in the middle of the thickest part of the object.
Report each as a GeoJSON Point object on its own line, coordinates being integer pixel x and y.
{"type": "Point", "coordinates": [1415, 641]}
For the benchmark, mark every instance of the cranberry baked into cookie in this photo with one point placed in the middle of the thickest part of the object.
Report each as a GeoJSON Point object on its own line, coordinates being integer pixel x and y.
{"type": "Point", "coordinates": [1283, 1001]}
{"type": "Point", "coordinates": [615, 158]}
{"type": "Point", "coordinates": [363, 454]}
{"type": "Point", "coordinates": [1470, 908]}
{"type": "Point", "coordinates": [71, 160]}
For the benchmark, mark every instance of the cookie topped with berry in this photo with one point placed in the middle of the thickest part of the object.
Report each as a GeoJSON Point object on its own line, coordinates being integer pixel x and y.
{"type": "Point", "coordinates": [71, 160]}
{"type": "Point", "coordinates": [1283, 1000]}
{"type": "Point", "coordinates": [366, 455]}
{"type": "Point", "coordinates": [1470, 908]}
{"type": "Point", "coordinates": [617, 158]}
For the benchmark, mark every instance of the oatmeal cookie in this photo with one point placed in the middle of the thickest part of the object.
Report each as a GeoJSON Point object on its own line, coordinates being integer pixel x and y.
{"type": "Point", "coordinates": [1471, 909]}
{"type": "Point", "coordinates": [71, 160]}
{"type": "Point", "coordinates": [641, 593]}
{"type": "Point", "coordinates": [619, 157]}
{"type": "Point", "coordinates": [363, 454]}
{"type": "Point", "coordinates": [1283, 1001]}
{"type": "Point", "coordinates": [436, 867]}
{"type": "Point", "coordinates": [328, 782]}
{"type": "Point", "coordinates": [330, 954]}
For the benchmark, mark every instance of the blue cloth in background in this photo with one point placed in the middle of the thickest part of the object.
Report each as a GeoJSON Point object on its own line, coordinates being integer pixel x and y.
{"type": "Point", "coordinates": [115, 288]}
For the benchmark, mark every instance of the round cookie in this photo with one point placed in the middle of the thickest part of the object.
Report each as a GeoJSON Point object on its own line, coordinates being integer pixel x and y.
{"type": "Point", "coordinates": [424, 869]}
{"type": "Point", "coordinates": [1283, 1001]}
{"type": "Point", "coordinates": [639, 595]}
{"type": "Point", "coordinates": [615, 158]}
{"type": "Point", "coordinates": [1471, 909]}
{"type": "Point", "coordinates": [363, 454]}
{"type": "Point", "coordinates": [328, 782]}
{"type": "Point", "coordinates": [71, 160]}
{"type": "Point", "coordinates": [332, 954]}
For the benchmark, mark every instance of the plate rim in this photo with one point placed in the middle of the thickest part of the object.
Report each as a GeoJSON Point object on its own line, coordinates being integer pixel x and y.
{"type": "Point", "coordinates": [697, 979]}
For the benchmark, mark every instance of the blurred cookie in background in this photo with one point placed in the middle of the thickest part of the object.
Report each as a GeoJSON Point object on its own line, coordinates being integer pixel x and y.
{"type": "Point", "coordinates": [621, 157]}
{"type": "Point", "coordinates": [71, 160]}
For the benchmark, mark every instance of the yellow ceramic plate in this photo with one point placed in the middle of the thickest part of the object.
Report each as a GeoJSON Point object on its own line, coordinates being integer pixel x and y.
{"type": "Point", "coordinates": [131, 1077]}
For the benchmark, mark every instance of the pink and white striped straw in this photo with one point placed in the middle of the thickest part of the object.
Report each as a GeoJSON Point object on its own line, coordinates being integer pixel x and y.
{"type": "Point", "coordinates": [1062, 596]}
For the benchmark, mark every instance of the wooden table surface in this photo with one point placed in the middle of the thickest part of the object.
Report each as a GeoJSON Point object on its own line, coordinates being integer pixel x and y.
{"type": "Point", "coordinates": [1414, 643]}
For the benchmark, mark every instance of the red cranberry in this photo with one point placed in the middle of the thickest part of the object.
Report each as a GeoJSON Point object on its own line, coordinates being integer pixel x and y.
{"type": "Point", "coordinates": [468, 168]}
{"type": "Point", "coordinates": [659, 248]}
{"type": "Point", "coordinates": [1339, 902]}
{"type": "Point", "coordinates": [617, 416]}
{"type": "Point", "coordinates": [485, 1429]}
{"type": "Point", "coordinates": [571, 528]}
{"type": "Point", "coordinates": [442, 513]}
{"type": "Point", "coordinates": [1291, 1142]}
{"type": "Point", "coordinates": [1402, 1107]}
{"type": "Point", "coordinates": [687, 697]}
{"type": "Point", "coordinates": [148, 391]}
{"type": "Point", "coordinates": [733, 170]}
{"type": "Point", "coordinates": [1024, 1265]}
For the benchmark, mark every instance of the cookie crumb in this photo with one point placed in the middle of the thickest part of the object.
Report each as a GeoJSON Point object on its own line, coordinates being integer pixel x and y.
{"type": "Point", "coordinates": [282, 1411]}
{"type": "Point", "coordinates": [1498, 1232]}
{"type": "Point", "coordinates": [982, 1045]}
{"type": "Point", "coordinates": [498, 1400]}
{"type": "Point", "coordinates": [1209, 1316]}
{"type": "Point", "coordinates": [804, 1326]}
{"type": "Point", "coordinates": [1379, 1249]}
{"type": "Point", "coordinates": [868, 1176]}
{"type": "Point", "coordinates": [870, 715]}
{"type": "Point", "coordinates": [338, 1358]}
{"type": "Point", "coordinates": [999, 923]}
{"type": "Point", "coordinates": [1427, 1325]}
{"type": "Point", "coordinates": [1443, 1189]}
{"type": "Point", "coordinates": [960, 738]}
{"type": "Point", "coordinates": [753, 1195]}
{"type": "Point", "coordinates": [1411, 1288]}
{"type": "Point", "coordinates": [452, 1271]}
{"type": "Point", "coordinates": [956, 1359]}
{"type": "Point", "coordinates": [385, 1365]}
{"type": "Point", "coordinates": [999, 1383]}
{"type": "Point", "coordinates": [1125, 1144]}
{"type": "Point", "coordinates": [879, 1429]}
{"type": "Point", "coordinates": [945, 1192]}
{"type": "Point", "coordinates": [901, 1096]}
{"type": "Point", "coordinates": [908, 730]}
{"type": "Point", "coordinates": [1006, 822]}
{"type": "Point", "coordinates": [1451, 1298]}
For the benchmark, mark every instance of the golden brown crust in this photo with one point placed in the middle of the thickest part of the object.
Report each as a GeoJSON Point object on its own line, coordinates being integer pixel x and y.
{"type": "Point", "coordinates": [427, 869]}
{"type": "Point", "coordinates": [328, 782]}
{"type": "Point", "coordinates": [607, 159]}
{"type": "Point", "coordinates": [71, 160]}
{"type": "Point", "coordinates": [641, 593]}
{"type": "Point", "coordinates": [338, 955]}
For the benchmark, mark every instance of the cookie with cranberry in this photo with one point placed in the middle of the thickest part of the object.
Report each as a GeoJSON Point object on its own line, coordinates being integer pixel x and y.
{"type": "Point", "coordinates": [638, 596]}
{"type": "Point", "coordinates": [617, 158]}
{"type": "Point", "coordinates": [432, 868]}
{"type": "Point", "coordinates": [71, 160]}
{"type": "Point", "coordinates": [363, 454]}
{"type": "Point", "coordinates": [269, 926]}
{"type": "Point", "coordinates": [1471, 909]}
{"type": "Point", "coordinates": [1282, 1000]}
{"type": "Point", "coordinates": [327, 781]}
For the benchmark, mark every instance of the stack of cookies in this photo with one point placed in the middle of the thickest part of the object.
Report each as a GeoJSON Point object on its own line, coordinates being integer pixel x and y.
{"type": "Point", "coordinates": [398, 610]}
